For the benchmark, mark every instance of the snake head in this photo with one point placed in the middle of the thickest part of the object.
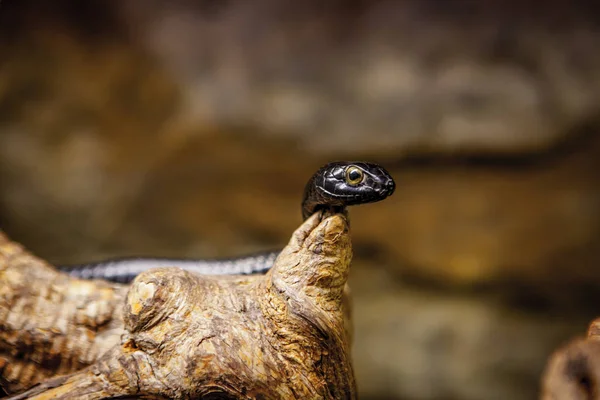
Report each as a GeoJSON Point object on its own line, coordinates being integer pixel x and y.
{"type": "Point", "coordinates": [350, 183]}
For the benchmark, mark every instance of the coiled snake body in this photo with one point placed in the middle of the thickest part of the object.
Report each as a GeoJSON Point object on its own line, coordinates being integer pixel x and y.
{"type": "Point", "coordinates": [334, 186]}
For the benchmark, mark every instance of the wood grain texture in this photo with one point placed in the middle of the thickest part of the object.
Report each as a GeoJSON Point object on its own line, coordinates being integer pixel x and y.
{"type": "Point", "coordinates": [49, 323]}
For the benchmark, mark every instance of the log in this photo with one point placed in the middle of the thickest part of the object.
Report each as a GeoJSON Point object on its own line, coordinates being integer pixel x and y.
{"type": "Point", "coordinates": [285, 334]}
{"type": "Point", "coordinates": [573, 371]}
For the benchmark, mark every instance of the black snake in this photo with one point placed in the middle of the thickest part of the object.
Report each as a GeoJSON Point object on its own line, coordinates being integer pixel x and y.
{"type": "Point", "coordinates": [333, 187]}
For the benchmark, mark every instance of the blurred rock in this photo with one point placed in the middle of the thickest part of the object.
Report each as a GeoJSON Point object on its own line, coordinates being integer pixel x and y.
{"type": "Point", "coordinates": [423, 344]}
{"type": "Point", "coordinates": [382, 77]}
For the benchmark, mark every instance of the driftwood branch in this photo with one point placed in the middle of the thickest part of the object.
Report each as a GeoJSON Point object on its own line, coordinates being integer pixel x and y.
{"type": "Point", "coordinates": [174, 334]}
{"type": "Point", "coordinates": [573, 371]}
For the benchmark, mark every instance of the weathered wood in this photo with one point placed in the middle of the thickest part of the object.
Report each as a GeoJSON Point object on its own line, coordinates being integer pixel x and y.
{"type": "Point", "coordinates": [285, 334]}
{"type": "Point", "coordinates": [49, 323]}
{"type": "Point", "coordinates": [573, 371]}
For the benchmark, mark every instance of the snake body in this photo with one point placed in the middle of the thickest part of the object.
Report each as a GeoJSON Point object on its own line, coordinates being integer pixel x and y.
{"type": "Point", "coordinates": [333, 187]}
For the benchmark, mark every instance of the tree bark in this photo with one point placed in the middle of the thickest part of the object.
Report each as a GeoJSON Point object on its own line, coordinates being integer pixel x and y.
{"type": "Point", "coordinates": [175, 334]}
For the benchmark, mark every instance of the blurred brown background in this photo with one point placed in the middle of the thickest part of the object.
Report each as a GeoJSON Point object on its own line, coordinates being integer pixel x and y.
{"type": "Point", "coordinates": [188, 128]}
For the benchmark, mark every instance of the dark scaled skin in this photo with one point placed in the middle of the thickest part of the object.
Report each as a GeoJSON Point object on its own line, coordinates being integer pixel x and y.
{"type": "Point", "coordinates": [332, 187]}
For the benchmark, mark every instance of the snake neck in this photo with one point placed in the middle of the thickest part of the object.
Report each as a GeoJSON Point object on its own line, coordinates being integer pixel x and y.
{"type": "Point", "coordinates": [310, 200]}
{"type": "Point", "coordinates": [314, 200]}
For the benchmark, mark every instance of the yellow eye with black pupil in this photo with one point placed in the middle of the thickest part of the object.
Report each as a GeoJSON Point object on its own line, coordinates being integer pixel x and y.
{"type": "Point", "coordinates": [353, 176]}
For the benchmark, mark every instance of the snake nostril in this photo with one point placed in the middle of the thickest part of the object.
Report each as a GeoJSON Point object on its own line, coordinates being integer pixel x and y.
{"type": "Point", "coordinates": [391, 186]}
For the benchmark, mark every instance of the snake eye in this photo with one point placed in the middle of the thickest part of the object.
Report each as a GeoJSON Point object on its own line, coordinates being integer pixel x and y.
{"type": "Point", "coordinates": [354, 176]}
